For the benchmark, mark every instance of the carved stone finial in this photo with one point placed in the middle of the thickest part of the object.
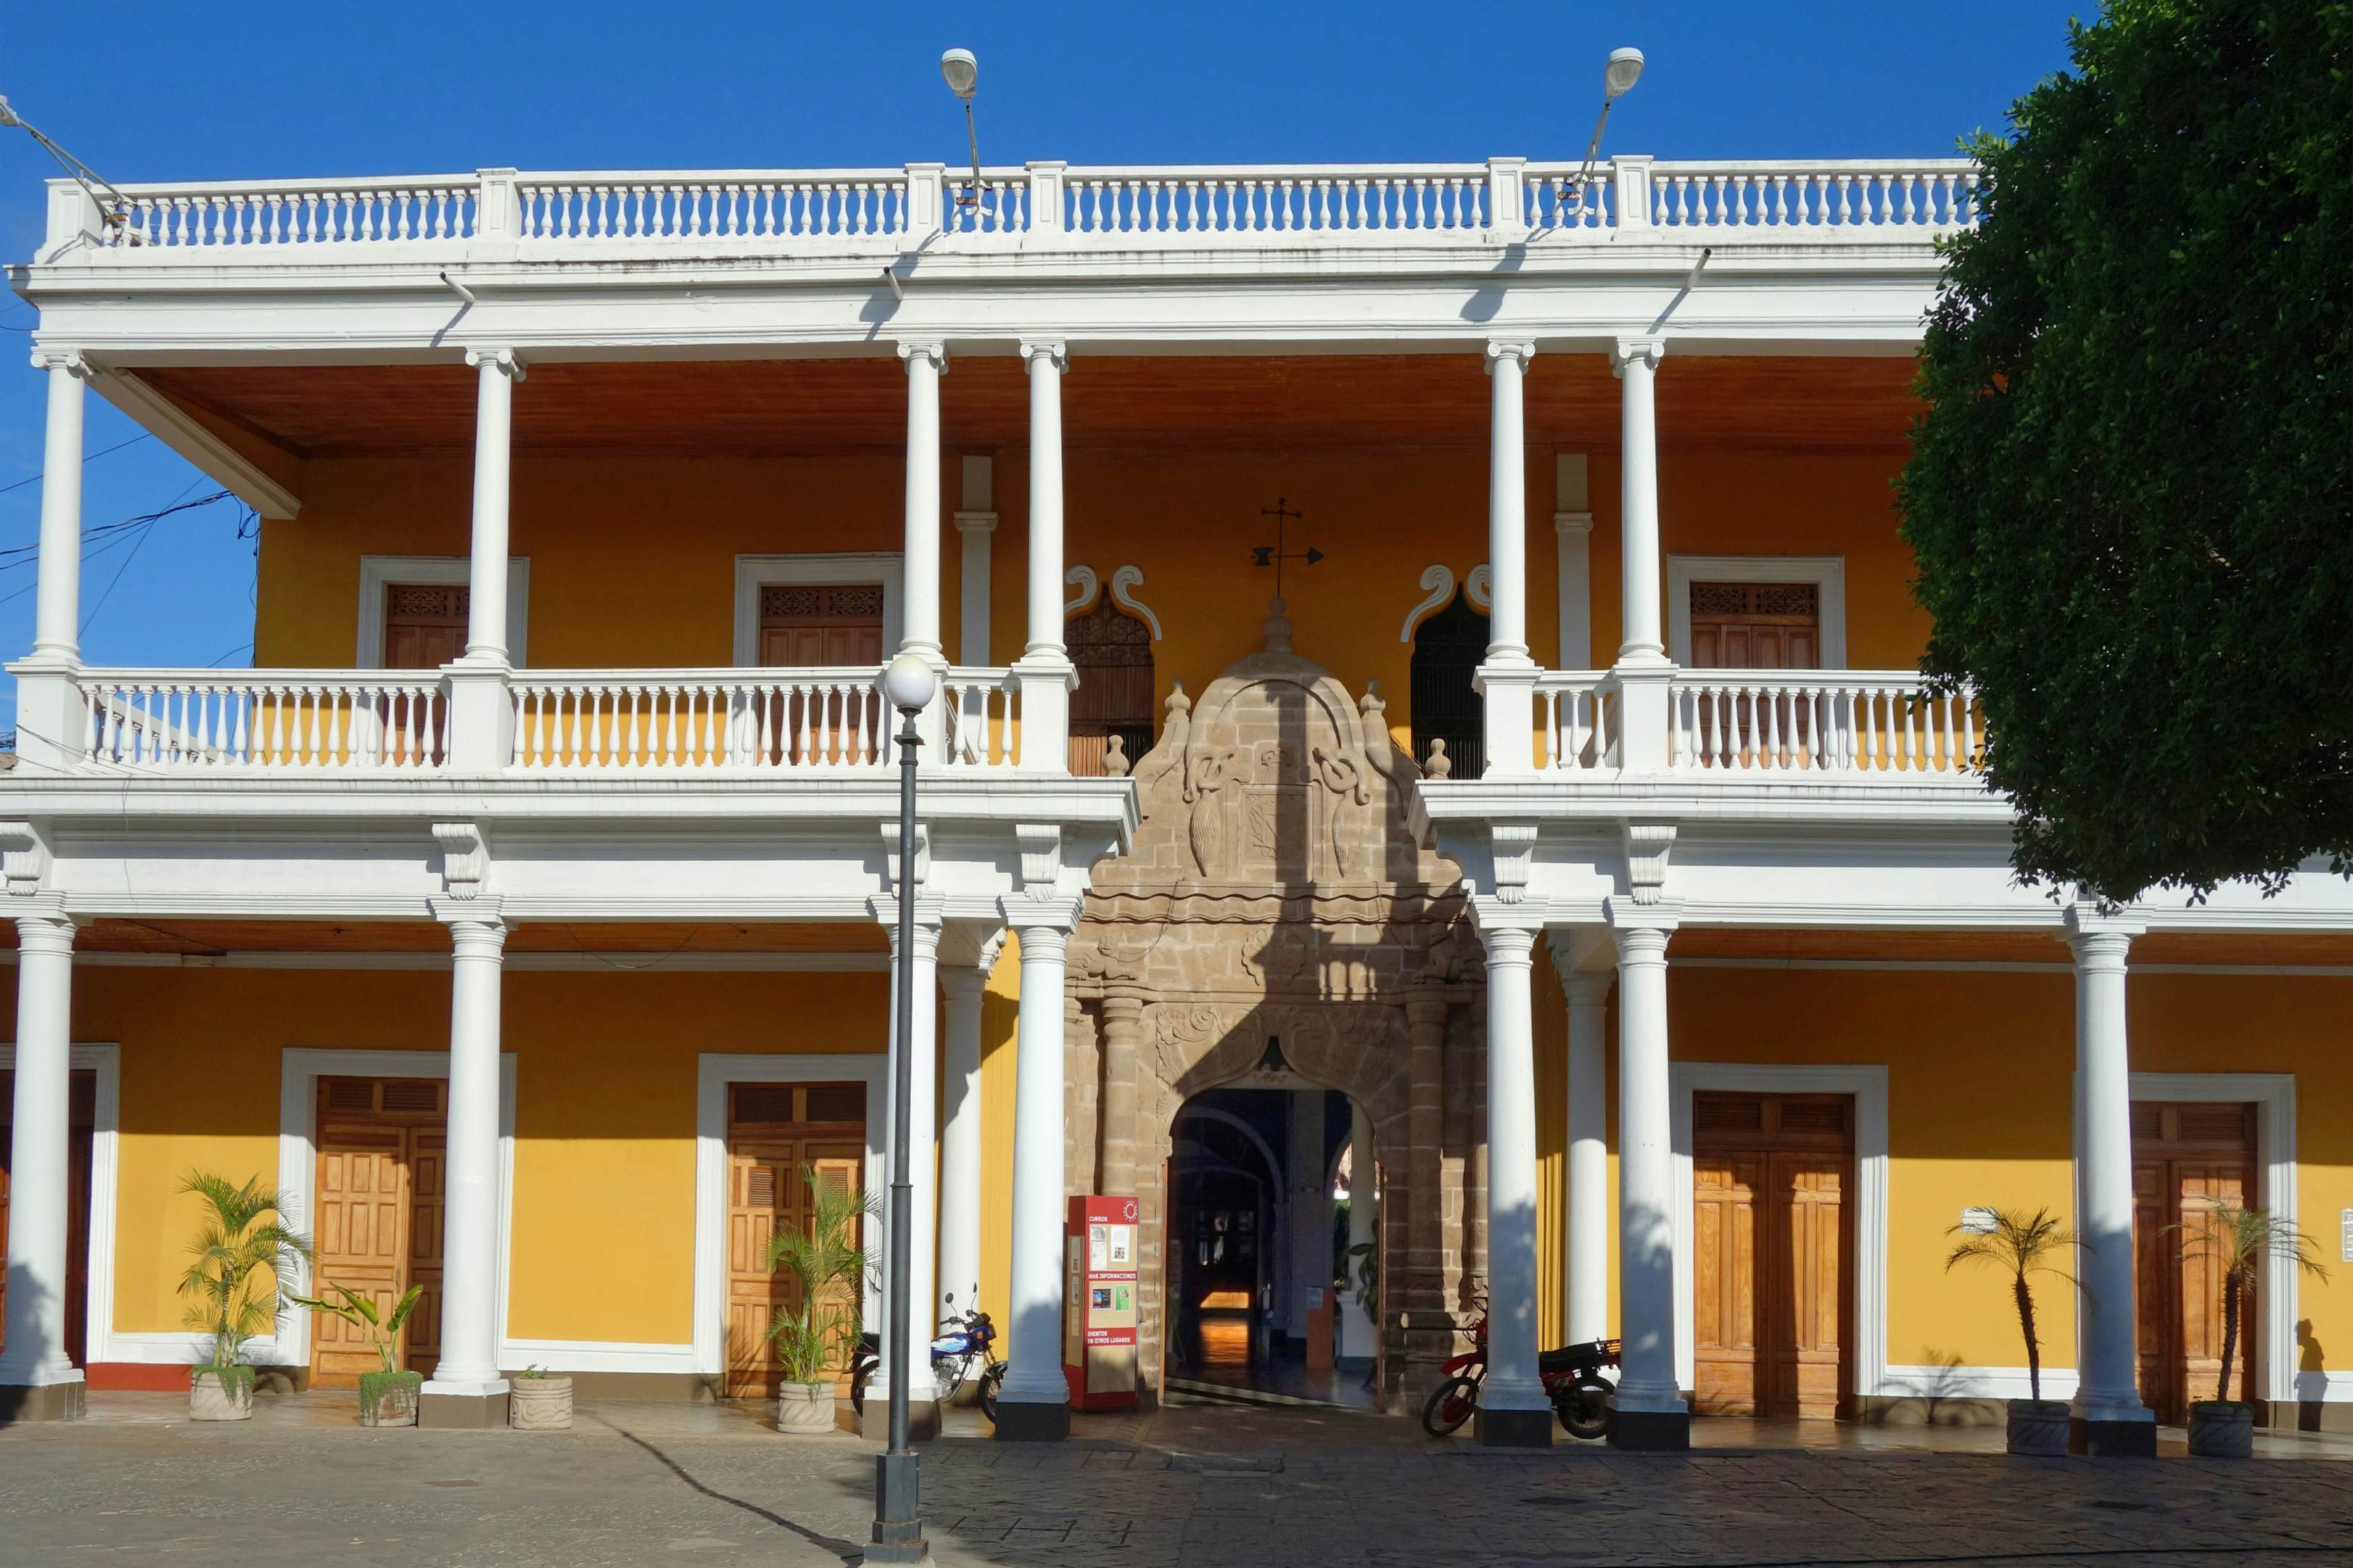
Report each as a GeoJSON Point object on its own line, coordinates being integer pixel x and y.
{"type": "Point", "coordinates": [1371, 705]}
{"type": "Point", "coordinates": [1116, 763]}
{"type": "Point", "coordinates": [1441, 766]}
{"type": "Point", "coordinates": [1278, 627]}
{"type": "Point", "coordinates": [1179, 704]}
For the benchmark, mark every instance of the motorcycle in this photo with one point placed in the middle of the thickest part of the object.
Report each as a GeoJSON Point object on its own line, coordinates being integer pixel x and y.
{"type": "Point", "coordinates": [963, 1343]}
{"type": "Point", "coordinates": [1572, 1377]}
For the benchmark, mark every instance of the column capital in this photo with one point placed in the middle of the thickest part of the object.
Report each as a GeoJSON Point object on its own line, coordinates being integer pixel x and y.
{"type": "Point", "coordinates": [476, 936]}
{"type": "Point", "coordinates": [505, 361]}
{"type": "Point", "coordinates": [56, 356]}
{"type": "Point", "coordinates": [42, 925]}
{"type": "Point", "coordinates": [1052, 350]}
{"type": "Point", "coordinates": [975, 522]}
{"type": "Point", "coordinates": [1639, 923]}
{"type": "Point", "coordinates": [1519, 352]}
{"type": "Point", "coordinates": [935, 353]}
{"type": "Point", "coordinates": [1626, 350]}
{"type": "Point", "coordinates": [930, 917]}
{"type": "Point", "coordinates": [962, 981]}
{"type": "Point", "coordinates": [1036, 918]}
{"type": "Point", "coordinates": [478, 913]}
{"type": "Point", "coordinates": [1509, 947]}
{"type": "Point", "coordinates": [1572, 524]}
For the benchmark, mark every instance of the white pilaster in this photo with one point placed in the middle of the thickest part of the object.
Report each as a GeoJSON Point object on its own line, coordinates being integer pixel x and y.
{"type": "Point", "coordinates": [1034, 1337]}
{"type": "Point", "coordinates": [960, 1129]}
{"type": "Point", "coordinates": [923, 1139]}
{"type": "Point", "coordinates": [1643, 672]}
{"type": "Point", "coordinates": [1572, 530]}
{"type": "Point", "coordinates": [57, 601]}
{"type": "Point", "coordinates": [1507, 677]}
{"type": "Point", "coordinates": [36, 1356]}
{"type": "Point", "coordinates": [919, 618]}
{"type": "Point", "coordinates": [2107, 1389]}
{"type": "Point", "coordinates": [1360, 1336]}
{"type": "Point", "coordinates": [976, 522]}
{"type": "Point", "coordinates": [469, 1245]}
{"type": "Point", "coordinates": [1588, 1239]}
{"type": "Point", "coordinates": [1513, 1382]}
{"type": "Point", "coordinates": [1646, 1186]}
{"type": "Point", "coordinates": [1044, 671]}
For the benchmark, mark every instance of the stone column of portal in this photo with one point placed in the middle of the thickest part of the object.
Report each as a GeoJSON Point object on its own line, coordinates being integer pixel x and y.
{"type": "Point", "coordinates": [1044, 672]}
{"type": "Point", "coordinates": [1359, 1334]}
{"type": "Point", "coordinates": [1310, 1239]}
{"type": "Point", "coordinates": [1507, 677]}
{"type": "Point", "coordinates": [960, 1128]}
{"type": "Point", "coordinates": [466, 1389]}
{"type": "Point", "coordinates": [1417, 1289]}
{"type": "Point", "coordinates": [1650, 1412]}
{"type": "Point", "coordinates": [482, 719]}
{"type": "Point", "coordinates": [1034, 1405]}
{"type": "Point", "coordinates": [1642, 670]}
{"type": "Point", "coordinates": [1513, 1411]}
{"type": "Point", "coordinates": [37, 1382]}
{"type": "Point", "coordinates": [922, 1218]}
{"type": "Point", "coordinates": [1123, 1042]}
{"type": "Point", "coordinates": [50, 715]}
{"type": "Point", "coordinates": [2107, 1415]}
{"type": "Point", "coordinates": [1588, 1249]}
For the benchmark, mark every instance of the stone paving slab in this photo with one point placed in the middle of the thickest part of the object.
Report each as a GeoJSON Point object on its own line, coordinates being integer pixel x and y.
{"type": "Point", "coordinates": [638, 1484]}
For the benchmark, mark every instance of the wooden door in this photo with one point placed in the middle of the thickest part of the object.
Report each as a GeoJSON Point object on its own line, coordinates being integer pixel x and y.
{"type": "Point", "coordinates": [823, 625]}
{"type": "Point", "coordinates": [2190, 1163]}
{"type": "Point", "coordinates": [81, 1113]}
{"type": "Point", "coordinates": [774, 1130]}
{"type": "Point", "coordinates": [381, 1197]}
{"type": "Point", "coordinates": [1756, 626]}
{"type": "Point", "coordinates": [1772, 1254]}
{"type": "Point", "coordinates": [424, 624]}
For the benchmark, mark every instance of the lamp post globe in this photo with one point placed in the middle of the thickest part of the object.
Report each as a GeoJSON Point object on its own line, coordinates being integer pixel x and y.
{"type": "Point", "coordinates": [910, 683]}
{"type": "Point", "coordinates": [961, 70]}
{"type": "Point", "coordinates": [1622, 71]}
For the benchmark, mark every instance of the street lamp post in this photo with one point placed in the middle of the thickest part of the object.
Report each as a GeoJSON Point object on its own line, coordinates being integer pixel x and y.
{"type": "Point", "coordinates": [909, 684]}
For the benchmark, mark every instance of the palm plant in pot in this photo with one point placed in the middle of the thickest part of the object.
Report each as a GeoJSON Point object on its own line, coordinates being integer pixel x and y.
{"type": "Point", "coordinates": [2239, 1239]}
{"type": "Point", "coordinates": [2021, 1246]}
{"type": "Point", "coordinates": [825, 1263]}
{"type": "Point", "coordinates": [236, 1282]}
{"type": "Point", "coordinates": [387, 1396]}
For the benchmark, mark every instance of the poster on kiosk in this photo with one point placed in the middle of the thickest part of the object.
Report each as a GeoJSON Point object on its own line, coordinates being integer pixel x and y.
{"type": "Point", "coordinates": [1099, 1316]}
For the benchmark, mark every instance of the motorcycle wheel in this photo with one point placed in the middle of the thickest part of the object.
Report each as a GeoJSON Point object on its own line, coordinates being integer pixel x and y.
{"type": "Point", "coordinates": [991, 1382]}
{"type": "Point", "coordinates": [860, 1369]}
{"type": "Point", "coordinates": [1449, 1404]}
{"type": "Point", "coordinates": [950, 1376]}
{"type": "Point", "coordinates": [1584, 1408]}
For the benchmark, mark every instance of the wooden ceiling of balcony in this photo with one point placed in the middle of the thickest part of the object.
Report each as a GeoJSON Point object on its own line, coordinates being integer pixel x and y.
{"type": "Point", "coordinates": [205, 937]}
{"type": "Point", "coordinates": [1743, 404]}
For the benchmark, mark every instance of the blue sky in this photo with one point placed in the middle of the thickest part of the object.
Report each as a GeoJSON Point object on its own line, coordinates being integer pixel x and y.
{"type": "Point", "coordinates": [151, 92]}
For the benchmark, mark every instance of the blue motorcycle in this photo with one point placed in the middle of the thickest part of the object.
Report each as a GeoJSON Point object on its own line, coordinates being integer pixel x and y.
{"type": "Point", "coordinates": [962, 1345]}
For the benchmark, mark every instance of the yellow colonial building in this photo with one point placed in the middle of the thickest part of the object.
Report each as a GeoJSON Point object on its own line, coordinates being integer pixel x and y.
{"type": "Point", "coordinates": [1427, 684]}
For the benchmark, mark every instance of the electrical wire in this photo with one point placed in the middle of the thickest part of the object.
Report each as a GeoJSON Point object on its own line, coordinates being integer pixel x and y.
{"type": "Point", "coordinates": [142, 435]}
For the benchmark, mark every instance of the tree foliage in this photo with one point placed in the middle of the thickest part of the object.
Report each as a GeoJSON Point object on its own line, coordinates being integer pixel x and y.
{"type": "Point", "coordinates": [2130, 495]}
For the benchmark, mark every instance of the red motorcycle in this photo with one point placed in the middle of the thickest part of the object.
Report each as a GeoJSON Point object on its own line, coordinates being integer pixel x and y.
{"type": "Point", "coordinates": [1572, 1377]}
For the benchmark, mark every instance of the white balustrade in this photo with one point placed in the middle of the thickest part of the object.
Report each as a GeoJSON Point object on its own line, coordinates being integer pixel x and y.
{"type": "Point", "coordinates": [1579, 718]}
{"type": "Point", "coordinates": [981, 717]}
{"type": "Point", "coordinates": [187, 721]}
{"type": "Point", "coordinates": [1341, 200]}
{"type": "Point", "coordinates": [298, 212]}
{"type": "Point", "coordinates": [1877, 195]}
{"type": "Point", "coordinates": [999, 205]}
{"type": "Point", "coordinates": [844, 204]}
{"type": "Point", "coordinates": [1844, 722]}
{"type": "Point", "coordinates": [1554, 198]}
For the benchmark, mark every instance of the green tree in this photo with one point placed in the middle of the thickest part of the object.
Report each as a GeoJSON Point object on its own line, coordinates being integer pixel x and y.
{"type": "Point", "coordinates": [2129, 495]}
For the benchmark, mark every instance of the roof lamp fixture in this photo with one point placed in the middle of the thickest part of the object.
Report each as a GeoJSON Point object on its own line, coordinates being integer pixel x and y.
{"type": "Point", "coordinates": [113, 208]}
{"type": "Point", "coordinates": [1619, 72]}
{"type": "Point", "coordinates": [961, 71]}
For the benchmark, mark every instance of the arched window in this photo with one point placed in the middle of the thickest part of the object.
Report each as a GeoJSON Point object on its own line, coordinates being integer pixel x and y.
{"type": "Point", "coordinates": [1113, 650]}
{"type": "Point", "coordinates": [1447, 650]}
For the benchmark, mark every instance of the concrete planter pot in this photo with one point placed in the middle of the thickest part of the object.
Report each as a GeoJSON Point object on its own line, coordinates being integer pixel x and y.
{"type": "Point", "coordinates": [803, 1408]}
{"type": "Point", "coordinates": [389, 1398]}
{"type": "Point", "coordinates": [2038, 1428]}
{"type": "Point", "coordinates": [540, 1404]}
{"type": "Point", "coordinates": [220, 1395]}
{"type": "Point", "coordinates": [2221, 1429]}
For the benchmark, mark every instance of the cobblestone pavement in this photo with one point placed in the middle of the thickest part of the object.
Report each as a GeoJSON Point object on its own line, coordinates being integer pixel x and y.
{"type": "Point", "coordinates": [1203, 1489]}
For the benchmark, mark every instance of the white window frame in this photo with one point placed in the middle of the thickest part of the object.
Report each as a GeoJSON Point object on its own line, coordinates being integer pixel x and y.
{"type": "Point", "coordinates": [99, 1342]}
{"type": "Point", "coordinates": [378, 572]}
{"type": "Point", "coordinates": [754, 573]}
{"type": "Point", "coordinates": [1826, 573]}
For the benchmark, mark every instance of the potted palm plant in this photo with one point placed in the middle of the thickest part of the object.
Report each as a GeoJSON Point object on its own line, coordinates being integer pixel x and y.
{"type": "Point", "coordinates": [2240, 1240]}
{"type": "Point", "coordinates": [387, 1396]}
{"type": "Point", "coordinates": [826, 1266]}
{"type": "Point", "coordinates": [538, 1401]}
{"type": "Point", "coordinates": [2021, 1246]}
{"type": "Point", "coordinates": [243, 1255]}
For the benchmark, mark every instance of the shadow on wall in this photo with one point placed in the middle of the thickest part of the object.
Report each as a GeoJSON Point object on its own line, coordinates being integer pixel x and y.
{"type": "Point", "coordinates": [26, 1300]}
{"type": "Point", "coordinates": [1942, 1398]}
{"type": "Point", "coordinates": [2311, 1377]}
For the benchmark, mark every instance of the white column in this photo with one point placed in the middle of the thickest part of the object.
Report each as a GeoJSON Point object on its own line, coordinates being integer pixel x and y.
{"type": "Point", "coordinates": [2107, 1390]}
{"type": "Point", "coordinates": [918, 614]}
{"type": "Point", "coordinates": [469, 1225]}
{"type": "Point", "coordinates": [486, 625]}
{"type": "Point", "coordinates": [57, 602]}
{"type": "Point", "coordinates": [1572, 530]}
{"type": "Point", "coordinates": [1588, 1248]}
{"type": "Point", "coordinates": [1311, 1211]}
{"type": "Point", "coordinates": [1034, 1337]}
{"type": "Point", "coordinates": [1647, 1384]}
{"type": "Point", "coordinates": [1046, 675]}
{"type": "Point", "coordinates": [1507, 677]}
{"type": "Point", "coordinates": [960, 1137]}
{"type": "Point", "coordinates": [1643, 673]}
{"type": "Point", "coordinates": [36, 1351]}
{"type": "Point", "coordinates": [976, 522]}
{"type": "Point", "coordinates": [1513, 1384]}
{"type": "Point", "coordinates": [923, 1138]}
{"type": "Point", "coordinates": [1360, 1336]}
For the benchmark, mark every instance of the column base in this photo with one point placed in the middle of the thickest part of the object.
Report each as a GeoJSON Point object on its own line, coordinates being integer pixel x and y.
{"type": "Point", "coordinates": [463, 1406]}
{"type": "Point", "coordinates": [1651, 1431]}
{"type": "Point", "coordinates": [44, 1402]}
{"type": "Point", "coordinates": [922, 1420]}
{"type": "Point", "coordinates": [1041, 1421]}
{"type": "Point", "coordinates": [1512, 1428]}
{"type": "Point", "coordinates": [2111, 1439]}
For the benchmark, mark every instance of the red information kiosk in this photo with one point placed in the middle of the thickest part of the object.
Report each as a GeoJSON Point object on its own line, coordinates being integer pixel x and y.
{"type": "Point", "coordinates": [1099, 1315]}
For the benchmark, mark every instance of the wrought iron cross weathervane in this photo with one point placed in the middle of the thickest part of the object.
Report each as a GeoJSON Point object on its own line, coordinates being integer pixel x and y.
{"type": "Point", "coordinates": [1274, 555]}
